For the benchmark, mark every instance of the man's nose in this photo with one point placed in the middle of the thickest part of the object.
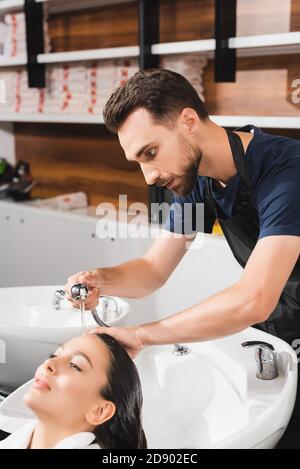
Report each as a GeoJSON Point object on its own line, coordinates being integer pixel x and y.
{"type": "Point", "coordinates": [151, 175]}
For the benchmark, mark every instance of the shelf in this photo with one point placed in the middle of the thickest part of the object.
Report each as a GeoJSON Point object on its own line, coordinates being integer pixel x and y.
{"type": "Point", "coordinates": [207, 46]}
{"type": "Point", "coordinates": [270, 122]}
{"type": "Point", "coordinates": [270, 44]}
{"type": "Point", "coordinates": [266, 44]}
{"type": "Point", "coordinates": [267, 122]}
{"type": "Point", "coordinates": [247, 46]}
{"type": "Point", "coordinates": [12, 61]}
{"type": "Point", "coordinates": [57, 6]}
{"type": "Point", "coordinates": [51, 118]}
{"type": "Point", "coordinates": [10, 5]}
{"type": "Point", "coordinates": [93, 54]}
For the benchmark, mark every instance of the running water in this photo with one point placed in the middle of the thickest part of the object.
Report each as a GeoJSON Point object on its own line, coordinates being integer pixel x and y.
{"type": "Point", "coordinates": [82, 313]}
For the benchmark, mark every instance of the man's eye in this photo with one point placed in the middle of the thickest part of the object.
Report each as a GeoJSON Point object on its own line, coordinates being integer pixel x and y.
{"type": "Point", "coordinates": [150, 153]}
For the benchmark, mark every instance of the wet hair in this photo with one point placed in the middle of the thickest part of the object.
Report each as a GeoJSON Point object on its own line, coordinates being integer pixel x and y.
{"type": "Point", "coordinates": [124, 430]}
{"type": "Point", "coordinates": [161, 92]}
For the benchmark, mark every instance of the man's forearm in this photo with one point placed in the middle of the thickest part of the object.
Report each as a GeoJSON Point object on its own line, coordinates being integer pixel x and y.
{"type": "Point", "coordinates": [133, 279]}
{"type": "Point", "coordinates": [225, 313]}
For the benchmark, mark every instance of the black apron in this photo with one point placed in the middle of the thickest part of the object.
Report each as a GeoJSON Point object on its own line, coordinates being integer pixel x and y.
{"type": "Point", "coordinates": [241, 231]}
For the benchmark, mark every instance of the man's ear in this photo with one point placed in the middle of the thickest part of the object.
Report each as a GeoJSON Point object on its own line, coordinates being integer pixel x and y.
{"type": "Point", "coordinates": [189, 119]}
{"type": "Point", "coordinates": [100, 413]}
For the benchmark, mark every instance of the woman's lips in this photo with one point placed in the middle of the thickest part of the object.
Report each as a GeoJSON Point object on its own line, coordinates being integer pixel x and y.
{"type": "Point", "coordinates": [41, 382]}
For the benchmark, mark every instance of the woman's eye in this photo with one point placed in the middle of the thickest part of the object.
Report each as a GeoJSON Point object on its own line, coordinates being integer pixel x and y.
{"type": "Point", "coordinates": [52, 356]}
{"type": "Point", "coordinates": [73, 365]}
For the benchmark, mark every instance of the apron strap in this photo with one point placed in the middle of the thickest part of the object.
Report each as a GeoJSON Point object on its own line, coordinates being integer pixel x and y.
{"type": "Point", "coordinates": [238, 154]}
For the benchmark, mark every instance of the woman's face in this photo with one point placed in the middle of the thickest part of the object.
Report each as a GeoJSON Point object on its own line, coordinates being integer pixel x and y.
{"type": "Point", "coordinates": [68, 384]}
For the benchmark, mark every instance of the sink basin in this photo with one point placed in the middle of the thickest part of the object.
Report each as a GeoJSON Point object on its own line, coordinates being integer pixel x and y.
{"type": "Point", "coordinates": [30, 330]}
{"type": "Point", "coordinates": [209, 398]}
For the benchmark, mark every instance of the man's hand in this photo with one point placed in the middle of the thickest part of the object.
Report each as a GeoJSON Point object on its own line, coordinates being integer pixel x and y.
{"type": "Point", "coordinates": [92, 280]}
{"type": "Point", "coordinates": [127, 336]}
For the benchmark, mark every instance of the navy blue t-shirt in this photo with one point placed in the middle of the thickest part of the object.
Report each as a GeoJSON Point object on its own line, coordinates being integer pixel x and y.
{"type": "Point", "coordinates": [273, 164]}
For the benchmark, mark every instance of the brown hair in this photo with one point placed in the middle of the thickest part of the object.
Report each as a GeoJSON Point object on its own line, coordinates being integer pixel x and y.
{"type": "Point", "coordinates": [161, 92]}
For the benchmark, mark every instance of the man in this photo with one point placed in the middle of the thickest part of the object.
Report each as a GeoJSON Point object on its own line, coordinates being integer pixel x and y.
{"type": "Point", "coordinates": [250, 179]}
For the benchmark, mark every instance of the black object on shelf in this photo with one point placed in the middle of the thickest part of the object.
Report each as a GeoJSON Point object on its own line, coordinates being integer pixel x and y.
{"type": "Point", "coordinates": [6, 176]}
{"type": "Point", "coordinates": [225, 27]}
{"type": "Point", "coordinates": [149, 35]}
{"type": "Point", "coordinates": [6, 171]}
{"type": "Point", "coordinates": [21, 183]}
{"type": "Point", "coordinates": [20, 190]}
{"type": "Point", "coordinates": [34, 17]}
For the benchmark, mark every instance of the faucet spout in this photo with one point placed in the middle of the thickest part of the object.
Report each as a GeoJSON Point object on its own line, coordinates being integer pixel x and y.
{"type": "Point", "coordinates": [266, 359]}
{"type": "Point", "coordinates": [58, 297]}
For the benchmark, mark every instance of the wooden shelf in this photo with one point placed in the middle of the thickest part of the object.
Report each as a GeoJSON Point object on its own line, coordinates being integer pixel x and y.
{"type": "Point", "coordinates": [270, 122]}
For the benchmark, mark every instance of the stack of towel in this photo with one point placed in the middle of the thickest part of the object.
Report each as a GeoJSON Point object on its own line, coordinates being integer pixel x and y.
{"type": "Point", "coordinates": [66, 89]}
{"type": "Point", "coordinates": [13, 35]}
{"type": "Point", "coordinates": [191, 66]}
{"type": "Point", "coordinates": [103, 78]}
{"type": "Point", "coordinates": [15, 44]}
{"type": "Point", "coordinates": [8, 80]}
{"type": "Point", "coordinates": [83, 88]}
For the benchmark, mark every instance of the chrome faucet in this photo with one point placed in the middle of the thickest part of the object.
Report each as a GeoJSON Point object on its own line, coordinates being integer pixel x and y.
{"type": "Point", "coordinates": [266, 359]}
{"type": "Point", "coordinates": [58, 297]}
{"type": "Point", "coordinates": [80, 292]}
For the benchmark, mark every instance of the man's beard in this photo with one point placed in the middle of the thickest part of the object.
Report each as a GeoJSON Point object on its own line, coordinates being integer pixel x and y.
{"type": "Point", "coordinates": [190, 172]}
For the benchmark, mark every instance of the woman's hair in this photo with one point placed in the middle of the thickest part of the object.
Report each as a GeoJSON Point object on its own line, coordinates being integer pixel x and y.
{"type": "Point", "coordinates": [124, 430]}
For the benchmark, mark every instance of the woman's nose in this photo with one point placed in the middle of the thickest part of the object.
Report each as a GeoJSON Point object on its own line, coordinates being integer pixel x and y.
{"type": "Point", "coordinates": [50, 365]}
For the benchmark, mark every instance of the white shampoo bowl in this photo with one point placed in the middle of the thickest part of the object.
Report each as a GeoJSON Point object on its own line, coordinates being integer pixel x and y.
{"type": "Point", "coordinates": [30, 330]}
{"type": "Point", "coordinates": [209, 398]}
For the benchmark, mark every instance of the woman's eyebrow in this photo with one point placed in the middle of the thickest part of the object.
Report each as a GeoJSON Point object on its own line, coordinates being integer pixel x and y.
{"type": "Point", "coordinates": [78, 352]}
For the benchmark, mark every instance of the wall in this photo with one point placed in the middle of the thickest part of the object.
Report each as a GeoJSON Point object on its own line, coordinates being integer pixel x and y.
{"type": "Point", "coordinates": [71, 157]}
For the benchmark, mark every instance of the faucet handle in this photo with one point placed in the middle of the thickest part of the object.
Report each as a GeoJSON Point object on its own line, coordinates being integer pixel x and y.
{"type": "Point", "coordinates": [60, 294]}
{"type": "Point", "coordinates": [266, 359]}
{"type": "Point", "coordinates": [79, 291]}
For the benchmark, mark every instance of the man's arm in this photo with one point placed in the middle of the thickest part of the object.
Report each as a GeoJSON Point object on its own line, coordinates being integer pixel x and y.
{"type": "Point", "coordinates": [248, 302]}
{"type": "Point", "coordinates": [136, 278]}
{"type": "Point", "coordinates": [140, 277]}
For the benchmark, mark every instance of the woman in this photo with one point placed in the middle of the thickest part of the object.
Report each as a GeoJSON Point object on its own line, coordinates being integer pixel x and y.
{"type": "Point", "coordinates": [86, 395]}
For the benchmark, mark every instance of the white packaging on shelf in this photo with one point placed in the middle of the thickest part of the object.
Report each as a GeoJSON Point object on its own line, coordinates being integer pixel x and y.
{"type": "Point", "coordinates": [64, 202]}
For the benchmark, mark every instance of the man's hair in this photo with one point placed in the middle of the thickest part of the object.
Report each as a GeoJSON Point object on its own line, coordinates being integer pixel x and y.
{"type": "Point", "coordinates": [161, 92]}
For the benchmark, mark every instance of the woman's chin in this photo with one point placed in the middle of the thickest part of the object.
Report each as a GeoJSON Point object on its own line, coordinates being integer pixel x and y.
{"type": "Point", "coordinates": [28, 398]}
{"type": "Point", "coordinates": [33, 399]}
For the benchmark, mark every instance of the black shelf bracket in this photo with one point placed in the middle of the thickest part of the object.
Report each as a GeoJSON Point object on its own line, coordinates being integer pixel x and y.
{"type": "Point", "coordinates": [149, 35]}
{"type": "Point", "coordinates": [35, 43]}
{"type": "Point", "coordinates": [225, 27]}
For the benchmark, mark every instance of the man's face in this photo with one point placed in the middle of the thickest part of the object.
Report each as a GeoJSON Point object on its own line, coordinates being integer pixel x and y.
{"type": "Point", "coordinates": [165, 155]}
